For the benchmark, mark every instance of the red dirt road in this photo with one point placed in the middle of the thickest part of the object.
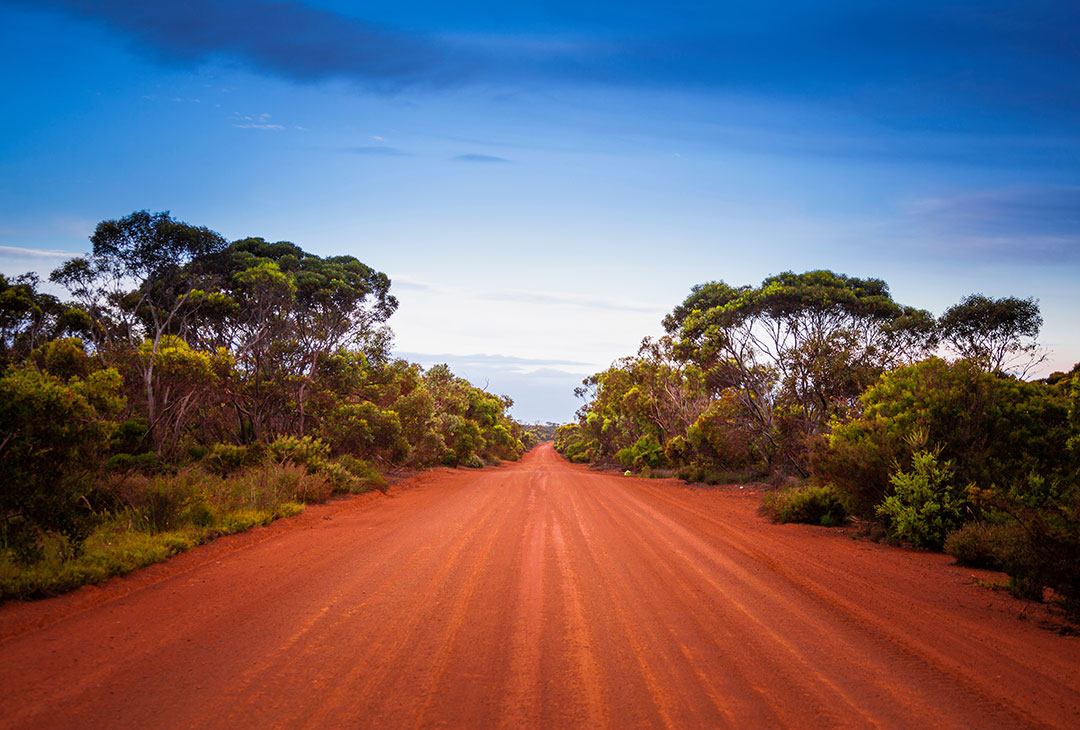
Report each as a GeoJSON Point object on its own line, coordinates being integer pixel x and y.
{"type": "Point", "coordinates": [538, 594]}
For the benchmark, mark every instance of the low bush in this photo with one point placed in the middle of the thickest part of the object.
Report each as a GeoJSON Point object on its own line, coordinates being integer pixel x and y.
{"type": "Point", "coordinates": [710, 474]}
{"type": "Point", "coordinates": [225, 459]}
{"type": "Point", "coordinates": [304, 451]}
{"type": "Point", "coordinates": [645, 453]}
{"type": "Point", "coordinates": [986, 545]}
{"type": "Point", "coordinates": [1047, 515]}
{"type": "Point", "coordinates": [815, 505]}
{"type": "Point", "coordinates": [146, 463]}
{"type": "Point", "coordinates": [925, 505]}
{"type": "Point", "coordinates": [365, 476]}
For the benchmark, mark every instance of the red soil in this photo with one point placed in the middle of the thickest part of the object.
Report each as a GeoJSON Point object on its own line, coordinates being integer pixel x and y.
{"type": "Point", "coordinates": [538, 594]}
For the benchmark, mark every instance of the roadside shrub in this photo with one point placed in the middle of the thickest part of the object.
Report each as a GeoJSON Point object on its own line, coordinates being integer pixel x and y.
{"type": "Point", "coordinates": [270, 485]}
{"type": "Point", "coordinates": [646, 453]}
{"type": "Point", "coordinates": [167, 502]}
{"type": "Point", "coordinates": [994, 430]}
{"type": "Point", "coordinates": [473, 461]}
{"type": "Point", "coordinates": [313, 489]}
{"type": "Point", "coordinates": [364, 428]}
{"type": "Point", "coordinates": [925, 506]}
{"type": "Point", "coordinates": [224, 459]}
{"type": "Point", "coordinates": [986, 545]}
{"type": "Point", "coordinates": [815, 505]}
{"type": "Point", "coordinates": [304, 451]}
{"type": "Point", "coordinates": [365, 475]}
{"type": "Point", "coordinates": [132, 436]}
{"type": "Point", "coordinates": [337, 476]}
{"type": "Point", "coordinates": [720, 437]}
{"type": "Point", "coordinates": [1048, 556]}
{"type": "Point", "coordinates": [147, 463]}
{"type": "Point", "coordinates": [53, 437]}
{"type": "Point", "coordinates": [705, 473]}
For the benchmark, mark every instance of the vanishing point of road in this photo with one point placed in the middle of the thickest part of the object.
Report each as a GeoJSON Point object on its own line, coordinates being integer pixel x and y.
{"type": "Point", "coordinates": [538, 594]}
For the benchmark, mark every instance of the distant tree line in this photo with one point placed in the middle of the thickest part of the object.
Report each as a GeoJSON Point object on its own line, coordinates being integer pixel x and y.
{"type": "Point", "coordinates": [925, 425]}
{"type": "Point", "coordinates": [178, 349]}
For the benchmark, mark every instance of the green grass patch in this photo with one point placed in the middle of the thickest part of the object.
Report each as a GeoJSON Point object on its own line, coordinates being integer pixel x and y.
{"type": "Point", "coordinates": [117, 547]}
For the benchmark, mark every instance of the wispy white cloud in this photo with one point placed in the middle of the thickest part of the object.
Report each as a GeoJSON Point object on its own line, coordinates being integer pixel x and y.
{"type": "Point", "coordinates": [571, 300]}
{"type": "Point", "coordinates": [33, 253]}
{"type": "Point", "coordinates": [377, 151]}
{"type": "Point", "coordinates": [508, 362]}
{"type": "Point", "coordinates": [260, 121]}
{"type": "Point", "coordinates": [472, 157]}
{"type": "Point", "coordinates": [399, 281]}
{"type": "Point", "coordinates": [1034, 223]}
{"type": "Point", "coordinates": [523, 296]}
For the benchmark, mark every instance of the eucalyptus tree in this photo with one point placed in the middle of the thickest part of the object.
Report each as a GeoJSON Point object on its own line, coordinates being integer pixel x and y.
{"type": "Point", "coordinates": [999, 334]}
{"type": "Point", "coordinates": [142, 281]}
{"type": "Point", "coordinates": [798, 349]}
{"type": "Point", "coordinates": [283, 311]}
{"type": "Point", "coordinates": [29, 317]}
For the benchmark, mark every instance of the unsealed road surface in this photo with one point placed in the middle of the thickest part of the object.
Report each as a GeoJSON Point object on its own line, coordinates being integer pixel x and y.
{"type": "Point", "coordinates": [538, 595]}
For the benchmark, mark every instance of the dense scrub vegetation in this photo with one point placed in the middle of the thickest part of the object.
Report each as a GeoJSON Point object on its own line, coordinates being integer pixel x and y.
{"type": "Point", "coordinates": [871, 407]}
{"type": "Point", "coordinates": [194, 387]}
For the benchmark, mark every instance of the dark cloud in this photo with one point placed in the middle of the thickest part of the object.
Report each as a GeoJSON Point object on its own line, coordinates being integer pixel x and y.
{"type": "Point", "coordinates": [377, 151]}
{"type": "Point", "coordinates": [283, 38]}
{"type": "Point", "coordinates": [986, 64]}
{"type": "Point", "coordinates": [472, 157]}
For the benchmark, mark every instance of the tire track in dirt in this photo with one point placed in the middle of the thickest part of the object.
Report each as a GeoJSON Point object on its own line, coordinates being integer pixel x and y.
{"type": "Point", "coordinates": [908, 647]}
{"type": "Point", "coordinates": [538, 594]}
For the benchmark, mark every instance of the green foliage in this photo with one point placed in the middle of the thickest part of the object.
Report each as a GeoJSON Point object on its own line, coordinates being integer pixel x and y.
{"type": "Point", "coordinates": [30, 318]}
{"type": "Point", "coordinates": [645, 453]}
{"type": "Point", "coordinates": [998, 334]}
{"type": "Point", "coordinates": [365, 428]}
{"type": "Point", "coordinates": [132, 436]}
{"type": "Point", "coordinates": [115, 549]}
{"type": "Point", "coordinates": [994, 430]}
{"type": "Point", "coordinates": [988, 545]}
{"type": "Point", "coordinates": [365, 476]}
{"type": "Point", "coordinates": [111, 550]}
{"type": "Point", "coordinates": [65, 358]}
{"type": "Point", "coordinates": [225, 459]}
{"type": "Point", "coordinates": [204, 370]}
{"type": "Point", "coordinates": [1047, 514]}
{"type": "Point", "coordinates": [305, 451]}
{"type": "Point", "coordinates": [815, 505]}
{"type": "Point", "coordinates": [53, 437]}
{"type": "Point", "coordinates": [571, 443]}
{"type": "Point", "coordinates": [796, 351]}
{"type": "Point", "coordinates": [721, 437]}
{"type": "Point", "coordinates": [147, 463]}
{"type": "Point", "coordinates": [927, 504]}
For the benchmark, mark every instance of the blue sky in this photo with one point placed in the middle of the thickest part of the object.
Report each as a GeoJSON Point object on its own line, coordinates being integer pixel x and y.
{"type": "Point", "coordinates": [544, 180]}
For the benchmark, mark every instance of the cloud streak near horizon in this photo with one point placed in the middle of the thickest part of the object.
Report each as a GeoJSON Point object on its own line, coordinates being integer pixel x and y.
{"type": "Point", "coordinates": [1040, 223]}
